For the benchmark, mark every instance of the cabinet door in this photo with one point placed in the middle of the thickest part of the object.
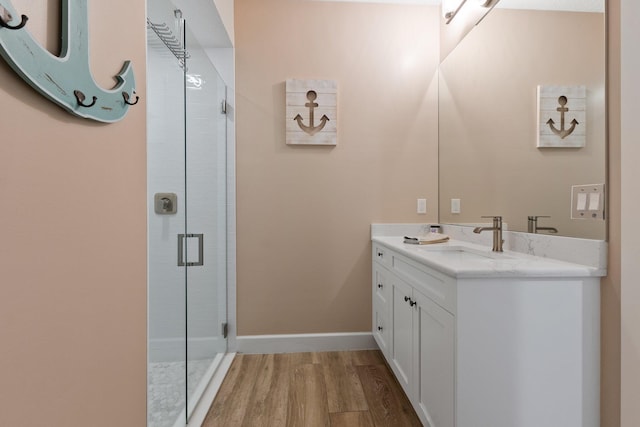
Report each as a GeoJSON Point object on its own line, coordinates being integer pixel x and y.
{"type": "Point", "coordinates": [380, 286]}
{"type": "Point", "coordinates": [381, 322]}
{"type": "Point", "coordinates": [381, 329]}
{"type": "Point", "coordinates": [434, 365]}
{"type": "Point", "coordinates": [402, 332]}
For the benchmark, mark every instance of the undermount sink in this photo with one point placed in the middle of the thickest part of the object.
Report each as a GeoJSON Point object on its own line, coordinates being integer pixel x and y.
{"type": "Point", "coordinates": [462, 253]}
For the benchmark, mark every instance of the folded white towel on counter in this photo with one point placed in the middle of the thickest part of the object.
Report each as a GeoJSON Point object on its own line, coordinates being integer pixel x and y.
{"type": "Point", "coordinates": [429, 239]}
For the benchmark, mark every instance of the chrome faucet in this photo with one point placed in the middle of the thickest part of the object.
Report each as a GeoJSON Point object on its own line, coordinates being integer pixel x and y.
{"type": "Point", "coordinates": [532, 225]}
{"type": "Point", "coordinates": [497, 232]}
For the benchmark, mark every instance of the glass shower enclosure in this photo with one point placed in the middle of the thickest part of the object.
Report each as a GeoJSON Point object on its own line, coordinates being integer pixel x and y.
{"type": "Point", "coordinates": [187, 259]}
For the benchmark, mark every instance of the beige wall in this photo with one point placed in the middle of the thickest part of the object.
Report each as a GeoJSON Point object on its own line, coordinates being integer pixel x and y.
{"type": "Point", "coordinates": [630, 235]}
{"type": "Point", "coordinates": [611, 285]}
{"type": "Point", "coordinates": [73, 239]}
{"type": "Point", "coordinates": [304, 256]}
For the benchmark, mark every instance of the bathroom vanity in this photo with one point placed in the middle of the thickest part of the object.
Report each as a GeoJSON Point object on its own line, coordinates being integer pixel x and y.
{"type": "Point", "coordinates": [485, 339]}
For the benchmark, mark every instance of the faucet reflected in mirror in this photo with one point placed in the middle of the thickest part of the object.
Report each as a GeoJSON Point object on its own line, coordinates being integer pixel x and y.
{"type": "Point", "coordinates": [532, 225]}
{"type": "Point", "coordinates": [497, 232]}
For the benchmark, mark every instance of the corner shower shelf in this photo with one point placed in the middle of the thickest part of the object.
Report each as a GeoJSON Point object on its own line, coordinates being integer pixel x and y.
{"type": "Point", "coordinates": [167, 37]}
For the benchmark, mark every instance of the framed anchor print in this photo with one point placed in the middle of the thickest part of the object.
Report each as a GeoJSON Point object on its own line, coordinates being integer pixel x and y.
{"type": "Point", "coordinates": [311, 113]}
{"type": "Point", "coordinates": [562, 116]}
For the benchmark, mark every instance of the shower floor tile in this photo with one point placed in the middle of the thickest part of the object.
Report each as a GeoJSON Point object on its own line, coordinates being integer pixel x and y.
{"type": "Point", "coordinates": [166, 389]}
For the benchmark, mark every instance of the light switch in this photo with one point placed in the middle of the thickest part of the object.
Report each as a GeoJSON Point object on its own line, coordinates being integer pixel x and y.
{"type": "Point", "coordinates": [594, 201]}
{"type": "Point", "coordinates": [455, 206]}
{"type": "Point", "coordinates": [422, 206]}
{"type": "Point", "coordinates": [582, 202]}
{"type": "Point", "coordinates": [587, 201]}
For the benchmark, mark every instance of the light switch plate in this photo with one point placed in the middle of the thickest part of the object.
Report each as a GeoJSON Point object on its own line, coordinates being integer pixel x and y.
{"type": "Point", "coordinates": [587, 201]}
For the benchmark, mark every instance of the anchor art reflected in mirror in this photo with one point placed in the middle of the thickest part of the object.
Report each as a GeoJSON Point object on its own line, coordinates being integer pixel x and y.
{"type": "Point", "coordinates": [567, 105]}
{"type": "Point", "coordinates": [522, 118]}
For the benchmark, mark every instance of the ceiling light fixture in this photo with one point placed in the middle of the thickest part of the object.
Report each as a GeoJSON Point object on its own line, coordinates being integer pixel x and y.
{"type": "Point", "coordinates": [450, 8]}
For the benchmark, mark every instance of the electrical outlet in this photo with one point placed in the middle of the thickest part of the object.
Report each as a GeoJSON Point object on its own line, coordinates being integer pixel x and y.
{"type": "Point", "coordinates": [422, 206]}
{"type": "Point", "coordinates": [455, 206]}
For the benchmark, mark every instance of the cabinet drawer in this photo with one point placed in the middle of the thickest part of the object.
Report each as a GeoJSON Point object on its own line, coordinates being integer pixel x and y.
{"type": "Point", "coordinates": [382, 255]}
{"type": "Point", "coordinates": [438, 287]}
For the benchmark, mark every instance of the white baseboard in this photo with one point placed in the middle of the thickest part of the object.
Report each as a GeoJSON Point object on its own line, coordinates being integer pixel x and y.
{"type": "Point", "coordinates": [298, 343]}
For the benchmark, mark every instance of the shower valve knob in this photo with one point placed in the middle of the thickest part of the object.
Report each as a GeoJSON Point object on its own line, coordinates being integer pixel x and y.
{"type": "Point", "coordinates": [165, 203]}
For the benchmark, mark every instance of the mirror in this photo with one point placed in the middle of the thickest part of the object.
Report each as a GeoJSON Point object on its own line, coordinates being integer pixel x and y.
{"type": "Point", "coordinates": [488, 123]}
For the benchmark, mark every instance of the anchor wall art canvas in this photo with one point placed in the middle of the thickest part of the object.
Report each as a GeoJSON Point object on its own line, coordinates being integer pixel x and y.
{"type": "Point", "coordinates": [311, 115]}
{"type": "Point", "coordinates": [562, 116]}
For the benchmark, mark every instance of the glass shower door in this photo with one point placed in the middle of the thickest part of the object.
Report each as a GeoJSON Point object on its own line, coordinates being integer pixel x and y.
{"type": "Point", "coordinates": [166, 179]}
{"type": "Point", "coordinates": [206, 219]}
{"type": "Point", "coordinates": [186, 162]}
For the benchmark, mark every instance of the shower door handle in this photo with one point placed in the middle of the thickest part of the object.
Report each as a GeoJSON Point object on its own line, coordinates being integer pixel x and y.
{"type": "Point", "coordinates": [182, 242]}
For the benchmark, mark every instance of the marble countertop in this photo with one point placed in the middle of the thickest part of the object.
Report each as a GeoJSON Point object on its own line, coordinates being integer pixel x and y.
{"type": "Point", "coordinates": [461, 259]}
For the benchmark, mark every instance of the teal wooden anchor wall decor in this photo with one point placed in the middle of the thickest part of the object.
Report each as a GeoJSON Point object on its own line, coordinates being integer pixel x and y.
{"type": "Point", "coordinates": [66, 80]}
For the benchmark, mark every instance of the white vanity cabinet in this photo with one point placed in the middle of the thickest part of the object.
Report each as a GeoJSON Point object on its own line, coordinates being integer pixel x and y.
{"type": "Point", "coordinates": [498, 348]}
{"type": "Point", "coordinates": [420, 344]}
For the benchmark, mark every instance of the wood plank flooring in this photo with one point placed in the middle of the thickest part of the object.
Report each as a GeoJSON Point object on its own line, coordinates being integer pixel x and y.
{"type": "Point", "coordinates": [332, 389]}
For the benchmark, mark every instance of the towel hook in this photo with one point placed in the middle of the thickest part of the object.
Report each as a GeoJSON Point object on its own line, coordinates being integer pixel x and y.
{"type": "Point", "coordinates": [4, 23]}
{"type": "Point", "coordinates": [80, 98]}
{"type": "Point", "coordinates": [126, 97]}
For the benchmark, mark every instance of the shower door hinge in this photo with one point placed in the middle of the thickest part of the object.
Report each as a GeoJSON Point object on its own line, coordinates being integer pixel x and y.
{"type": "Point", "coordinates": [225, 330]}
{"type": "Point", "coordinates": [223, 110]}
